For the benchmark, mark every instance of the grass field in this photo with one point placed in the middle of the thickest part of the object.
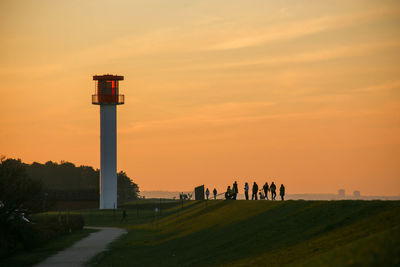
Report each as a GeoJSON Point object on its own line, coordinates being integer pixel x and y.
{"type": "Point", "coordinates": [255, 233]}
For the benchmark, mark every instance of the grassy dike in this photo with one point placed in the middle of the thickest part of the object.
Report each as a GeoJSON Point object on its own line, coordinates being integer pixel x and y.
{"type": "Point", "coordinates": [256, 233]}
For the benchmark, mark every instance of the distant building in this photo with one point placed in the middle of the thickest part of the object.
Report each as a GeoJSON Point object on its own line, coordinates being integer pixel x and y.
{"type": "Point", "coordinates": [341, 193]}
{"type": "Point", "coordinates": [357, 193]}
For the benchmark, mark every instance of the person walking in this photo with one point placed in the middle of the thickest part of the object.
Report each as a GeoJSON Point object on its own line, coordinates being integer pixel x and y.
{"type": "Point", "coordinates": [282, 192]}
{"type": "Point", "coordinates": [266, 189]}
{"type": "Point", "coordinates": [273, 191]}
{"type": "Point", "coordinates": [207, 193]}
{"type": "Point", "coordinates": [123, 216]}
{"type": "Point", "coordinates": [246, 190]}
{"type": "Point", "coordinates": [235, 190]}
{"type": "Point", "coordinates": [255, 190]}
{"type": "Point", "coordinates": [215, 193]}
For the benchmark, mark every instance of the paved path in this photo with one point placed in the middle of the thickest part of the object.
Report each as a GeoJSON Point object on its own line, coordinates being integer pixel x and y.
{"type": "Point", "coordinates": [84, 249]}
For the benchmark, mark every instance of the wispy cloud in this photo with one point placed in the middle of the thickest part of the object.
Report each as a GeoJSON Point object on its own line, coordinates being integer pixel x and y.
{"type": "Point", "coordinates": [193, 120]}
{"type": "Point", "coordinates": [298, 29]}
{"type": "Point", "coordinates": [174, 40]}
{"type": "Point", "coordinates": [209, 114]}
{"type": "Point", "coordinates": [381, 87]}
{"type": "Point", "coordinates": [39, 69]}
{"type": "Point", "coordinates": [337, 52]}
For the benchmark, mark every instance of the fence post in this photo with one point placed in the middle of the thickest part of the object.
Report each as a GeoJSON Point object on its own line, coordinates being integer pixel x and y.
{"type": "Point", "coordinates": [160, 206]}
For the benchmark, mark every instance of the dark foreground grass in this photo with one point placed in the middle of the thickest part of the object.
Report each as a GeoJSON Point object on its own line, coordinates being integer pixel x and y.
{"type": "Point", "coordinates": [138, 212]}
{"type": "Point", "coordinates": [263, 233]}
{"type": "Point", "coordinates": [29, 258]}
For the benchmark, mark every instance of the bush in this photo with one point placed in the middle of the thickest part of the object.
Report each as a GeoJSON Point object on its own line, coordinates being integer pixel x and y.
{"type": "Point", "coordinates": [27, 236]}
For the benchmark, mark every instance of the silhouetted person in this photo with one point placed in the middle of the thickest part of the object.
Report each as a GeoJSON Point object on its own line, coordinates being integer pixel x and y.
{"type": "Point", "coordinates": [228, 193]}
{"type": "Point", "coordinates": [282, 192]}
{"type": "Point", "coordinates": [261, 195]}
{"type": "Point", "coordinates": [246, 190]}
{"type": "Point", "coordinates": [255, 190]}
{"type": "Point", "coordinates": [207, 193]}
{"type": "Point", "coordinates": [123, 216]}
{"type": "Point", "coordinates": [273, 191]}
{"type": "Point", "coordinates": [235, 190]}
{"type": "Point", "coordinates": [215, 193]}
{"type": "Point", "coordinates": [266, 189]}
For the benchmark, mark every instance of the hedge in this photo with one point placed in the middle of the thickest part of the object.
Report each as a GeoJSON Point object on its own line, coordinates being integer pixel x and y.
{"type": "Point", "coordinates": [26, 236]}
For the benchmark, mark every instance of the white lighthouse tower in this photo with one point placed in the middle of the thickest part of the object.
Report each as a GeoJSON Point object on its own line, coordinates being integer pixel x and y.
{"type": "Point", "coordinates": [108, 97]}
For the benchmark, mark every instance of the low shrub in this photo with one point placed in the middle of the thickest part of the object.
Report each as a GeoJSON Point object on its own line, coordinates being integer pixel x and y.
{"type": "Point", "coordinates": [26, 236]}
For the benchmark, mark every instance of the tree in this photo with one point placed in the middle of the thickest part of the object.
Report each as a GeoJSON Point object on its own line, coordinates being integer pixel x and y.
{"type": "Point", "coordinates": [127, 190]}
{"type": "Point", "coordinates": [20, 183]}
{"type": "Point", "coordinates": [17, 190]}
{"type": "Point", "coordinates": [18, 195]}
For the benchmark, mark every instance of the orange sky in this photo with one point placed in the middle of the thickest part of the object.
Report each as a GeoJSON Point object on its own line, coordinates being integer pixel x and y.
{"type": "Point", "coordinates": [305, 93]}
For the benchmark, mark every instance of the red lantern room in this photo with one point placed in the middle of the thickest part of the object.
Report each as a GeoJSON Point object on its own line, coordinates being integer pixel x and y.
{"type": "Point", "coordinates": [107, 90]}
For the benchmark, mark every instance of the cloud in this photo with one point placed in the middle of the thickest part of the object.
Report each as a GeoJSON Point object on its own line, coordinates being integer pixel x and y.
{"type": "Point", "coordinates": [173, 40]}
{"type": "Point", "coordinates": [196, 119]}
{"type": "Point", "coordinates": [36, 70]}
{"type": "Point", "coordinates": [299, 29]}
{"type": "Point", "coordinates": [337, 52]}
{"type": "Point", "coordinates": [381, 87]}
{"type": "Point", "coordinates": [215, 114]}
{"type": "Point", "coordinates": [236, 115]}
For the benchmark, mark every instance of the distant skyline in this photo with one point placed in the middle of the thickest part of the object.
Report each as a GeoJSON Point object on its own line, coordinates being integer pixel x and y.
{"type": "Point", "coordinates": [304, 93]}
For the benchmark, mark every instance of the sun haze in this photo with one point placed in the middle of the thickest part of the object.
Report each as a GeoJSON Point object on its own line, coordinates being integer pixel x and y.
{"type": "Point", "coordinates": [305, 93]}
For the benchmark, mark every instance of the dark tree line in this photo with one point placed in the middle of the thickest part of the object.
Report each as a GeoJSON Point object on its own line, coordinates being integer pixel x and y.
{"type": "Point", "coordinates": [65, 181]}
{"type": "Point", "coordinates": [32, 185]}
{"type": "Point", "coordinates": [17, 190]}
{"type": "Point", "coordinates": [21, 195]}
{"type": "Point", "coordinates": [64, 176]}
{"type": "Point", "coordinates": [18, 195]}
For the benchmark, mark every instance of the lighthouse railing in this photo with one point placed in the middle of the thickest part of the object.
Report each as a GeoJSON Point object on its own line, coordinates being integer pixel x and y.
{"type": "Point", "coordinates": [108, 99]}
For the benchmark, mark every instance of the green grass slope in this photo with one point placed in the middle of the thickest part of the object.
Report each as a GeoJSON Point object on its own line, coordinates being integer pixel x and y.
{"type": "Point", "coordinates": [263, 233]}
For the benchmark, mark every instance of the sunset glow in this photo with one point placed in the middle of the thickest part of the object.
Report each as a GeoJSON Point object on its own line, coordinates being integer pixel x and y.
{"type": "Point", "coordinates": [304, 93]}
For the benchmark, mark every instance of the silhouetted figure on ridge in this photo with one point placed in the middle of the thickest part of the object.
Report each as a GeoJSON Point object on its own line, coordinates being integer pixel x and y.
{"type": "Point", "coordinates": [228, 193]}
{"type": "Point", "coordinates": [215, 193]}
{"type": "Point", "coordinates": [123, 216]}
{"type": "Point", "coordinates": [246, 190]}
{"type": "Point", "coordinates": [282, 192]}
{"type": "Point", "coordinates": [255, 190]}
{"type": "Point", "coordinates": [266, 189]}
{"type": "Point", "coordinates": [207, 193]}
{"type": "Point", "coordinates": [235, 190]}
{"type": "Point", "coordinates": [273, 191]}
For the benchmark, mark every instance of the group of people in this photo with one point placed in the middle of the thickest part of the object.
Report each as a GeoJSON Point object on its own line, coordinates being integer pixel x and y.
{"type": "Point", "coordinates": [231, 193]}
{"type": "Point", "coordinates": [214, 192]}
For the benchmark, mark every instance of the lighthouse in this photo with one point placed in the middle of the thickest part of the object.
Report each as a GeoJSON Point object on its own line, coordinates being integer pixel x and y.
{"type": "Point", "coordinates": [108, 97]}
